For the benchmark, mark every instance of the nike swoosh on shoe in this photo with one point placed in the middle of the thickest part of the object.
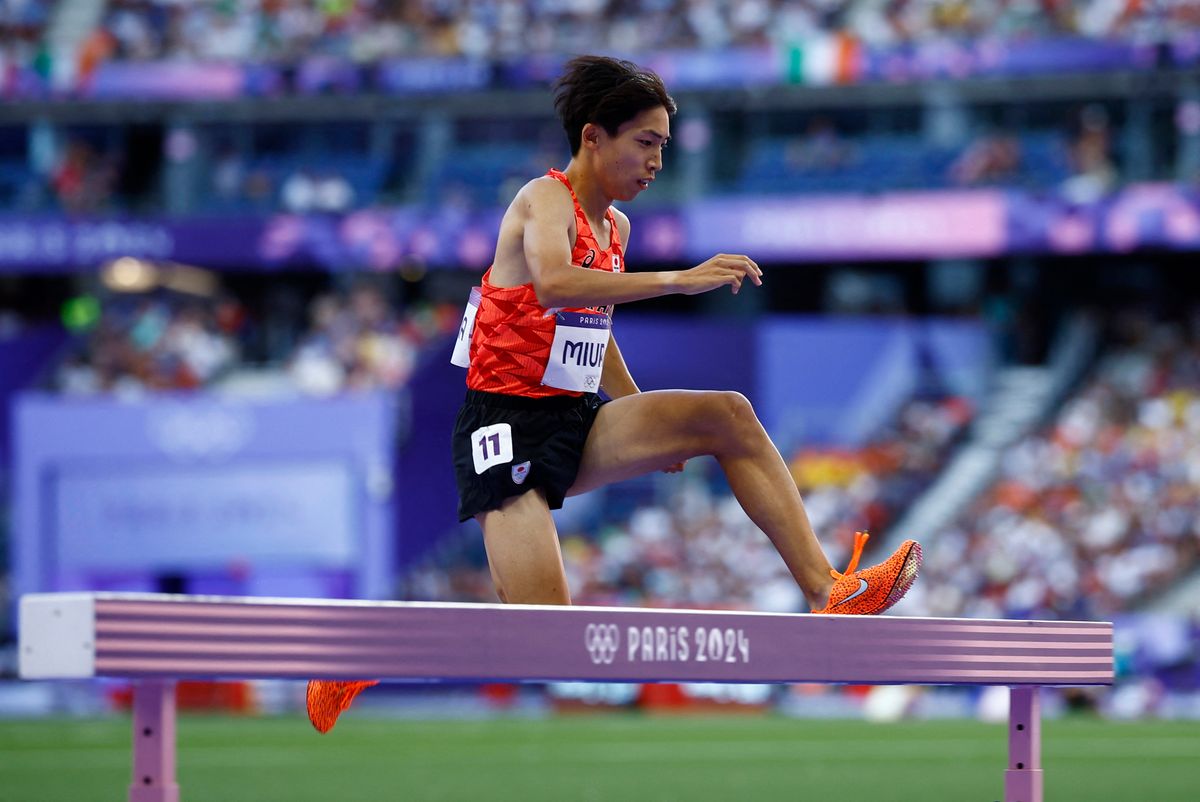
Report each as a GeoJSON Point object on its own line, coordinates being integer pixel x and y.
{"type": "Point", "coordinates": [862, 588]}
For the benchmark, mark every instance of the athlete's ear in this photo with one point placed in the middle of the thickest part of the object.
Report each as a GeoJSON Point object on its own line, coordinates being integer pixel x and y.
{"type": "Point", "coordinates": [590, 136]}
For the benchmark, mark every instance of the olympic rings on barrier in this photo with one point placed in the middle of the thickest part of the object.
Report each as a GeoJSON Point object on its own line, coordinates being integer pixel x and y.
{"type": "Point", "coordinates": [602, 641]}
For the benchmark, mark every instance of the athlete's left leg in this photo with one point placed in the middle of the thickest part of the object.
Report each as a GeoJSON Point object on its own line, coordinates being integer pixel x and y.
{"type": "Point", "coordinates": [650, 431]}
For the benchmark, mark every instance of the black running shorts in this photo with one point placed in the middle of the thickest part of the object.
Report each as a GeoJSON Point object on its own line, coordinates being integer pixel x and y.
{"type": "Point", "coordinates": [505, 445]}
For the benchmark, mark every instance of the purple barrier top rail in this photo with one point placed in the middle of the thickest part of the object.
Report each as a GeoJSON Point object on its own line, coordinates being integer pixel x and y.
{"type": "Point", "coordinates": [151, 635]}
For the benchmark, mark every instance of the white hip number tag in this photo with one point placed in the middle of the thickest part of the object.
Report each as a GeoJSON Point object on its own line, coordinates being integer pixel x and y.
{"type": "Point", "coordinates": [491, 445]}
{"type": "Point", "coordinates": [462, 346]}
{"type": "Point", "coordinates": [577, 354]}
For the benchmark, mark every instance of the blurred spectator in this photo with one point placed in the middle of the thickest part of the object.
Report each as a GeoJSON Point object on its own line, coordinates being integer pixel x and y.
{"type": "Point", "coordinates": [133, 28]}
{"type": "Point", "coordinates": [1095, 175]}
{"type": "Point", "coordinates": [97, 47]}
{"type": "Point", "coordinates": [82, 180]}
{"type": "Point", "coordinates": [820, 150]}
{"type": "Point", "coordinates": [991, 159]}
{"type": "Point", "coordinates": [259, 189]}
{"type": "Point", "coordinates": [312, 191]}
{"type": "Point", "coordinates": [22, 25]}
{"type": "Point", "coordinates": [228, 176]}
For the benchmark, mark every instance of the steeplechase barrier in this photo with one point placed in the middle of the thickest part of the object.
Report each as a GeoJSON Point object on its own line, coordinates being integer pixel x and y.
{"type": "Point", "coordinates": [155, 639]}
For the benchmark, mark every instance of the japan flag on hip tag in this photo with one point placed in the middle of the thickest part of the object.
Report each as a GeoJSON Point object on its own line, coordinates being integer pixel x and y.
{"type": "Point", "coordinates": [520, 472]}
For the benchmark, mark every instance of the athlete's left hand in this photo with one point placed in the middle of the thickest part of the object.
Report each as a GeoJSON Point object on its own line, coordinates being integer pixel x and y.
{"type": "Point", "coordinates": [676, 468]}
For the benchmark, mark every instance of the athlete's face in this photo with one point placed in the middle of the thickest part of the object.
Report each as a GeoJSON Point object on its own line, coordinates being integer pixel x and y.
{"type": "Point", "coordinates": [630, 160]}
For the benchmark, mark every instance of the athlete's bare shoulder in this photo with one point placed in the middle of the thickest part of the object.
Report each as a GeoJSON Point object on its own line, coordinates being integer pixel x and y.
{"type": "Point", "coordinates": [622, 224]}
{"type": "Point", "coordinates": [544, 196]}
{"type": "Point", "coordinates": [541, 212]}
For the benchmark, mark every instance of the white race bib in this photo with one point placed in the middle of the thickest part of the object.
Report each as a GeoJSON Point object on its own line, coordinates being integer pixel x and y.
{"type": "Point", "coordinates": [577, 353]}
{"type": "Point", "coordinates": [462, 346]}
{"type": "Point", "coordinates": [491, 445]}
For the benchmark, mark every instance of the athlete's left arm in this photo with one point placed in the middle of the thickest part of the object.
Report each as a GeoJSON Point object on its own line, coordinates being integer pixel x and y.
{"type": "Point", "coordinates": [616, 382]}
{"type": "Point", "coordinates": [615, 379]}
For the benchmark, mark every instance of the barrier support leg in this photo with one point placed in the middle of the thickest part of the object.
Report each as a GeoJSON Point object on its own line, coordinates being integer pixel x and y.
{"type": "Point", "coordinates": [1023, 779]}
{"type": "Point", "coordinates": [154, 742]}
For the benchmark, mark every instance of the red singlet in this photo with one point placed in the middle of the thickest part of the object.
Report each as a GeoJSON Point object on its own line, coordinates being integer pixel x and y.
{"type": "Point", "coordinates": [513, 332]}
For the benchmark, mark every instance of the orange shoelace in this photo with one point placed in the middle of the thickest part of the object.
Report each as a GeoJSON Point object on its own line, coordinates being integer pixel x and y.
{"type": "Point", "coordinates": [860, 540]}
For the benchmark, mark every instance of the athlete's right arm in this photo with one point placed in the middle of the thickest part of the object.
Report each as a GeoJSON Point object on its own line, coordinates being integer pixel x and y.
{"type": "Point", "coordinates": [549, 213]}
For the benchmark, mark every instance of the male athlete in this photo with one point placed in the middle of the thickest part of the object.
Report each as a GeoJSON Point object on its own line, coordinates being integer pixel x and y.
{"type": "Point", "coordinates": [538, 347]}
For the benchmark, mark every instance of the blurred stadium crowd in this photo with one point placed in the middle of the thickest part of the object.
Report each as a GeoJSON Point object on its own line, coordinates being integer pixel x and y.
{"type": "Point", "coordinates": [166, 341]}
{"type": "Point", "coordinates": [1076, 148]}
{"type": "Point", "coordinates": [366, 30]}
{"type": "Point", "coordinates": [1100, 509]}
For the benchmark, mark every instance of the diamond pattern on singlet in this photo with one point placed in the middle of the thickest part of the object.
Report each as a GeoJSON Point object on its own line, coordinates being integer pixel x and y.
{"type": "Point", "coordinates": [513, 332]}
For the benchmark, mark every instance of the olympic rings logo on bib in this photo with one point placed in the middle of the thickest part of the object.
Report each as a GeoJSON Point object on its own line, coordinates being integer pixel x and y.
{"type": "Point", "coordinates": [602, 641]}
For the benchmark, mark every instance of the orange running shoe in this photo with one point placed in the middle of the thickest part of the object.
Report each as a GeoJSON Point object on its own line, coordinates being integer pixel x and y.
{"type": "Point", "coordinates": [875, 589]}
{"type": "Point", "coordinates": [326, 699]}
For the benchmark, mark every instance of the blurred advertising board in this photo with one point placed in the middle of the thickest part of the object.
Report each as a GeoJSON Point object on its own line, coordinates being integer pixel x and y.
{"type": "Point", "coordinates": [287, 496]}
{"type": "Point", "coordinates": [797, 228]}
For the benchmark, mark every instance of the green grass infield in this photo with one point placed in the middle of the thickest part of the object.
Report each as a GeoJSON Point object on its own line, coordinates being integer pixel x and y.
{"type": "Point", "coordinates": [600, 757]}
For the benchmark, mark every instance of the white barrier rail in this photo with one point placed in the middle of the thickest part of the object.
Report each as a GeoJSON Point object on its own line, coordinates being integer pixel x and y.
{"type": "Point", "coordinates": [155, 639]}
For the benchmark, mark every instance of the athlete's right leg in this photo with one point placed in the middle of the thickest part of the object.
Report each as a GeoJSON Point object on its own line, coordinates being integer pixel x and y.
{"type": "Point", "coordinates": [523, 551]}
{"type": "Point", "coordinates": [648, 431]}
{"type": "Point", "coordinates": [526, 563]}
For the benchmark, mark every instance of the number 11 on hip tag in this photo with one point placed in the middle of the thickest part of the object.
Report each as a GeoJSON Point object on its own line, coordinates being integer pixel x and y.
{"type": "Point", "coordinates": [491, 445]}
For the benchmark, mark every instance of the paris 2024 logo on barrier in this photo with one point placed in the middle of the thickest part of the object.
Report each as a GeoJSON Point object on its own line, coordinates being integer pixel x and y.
{"type": "Point", "coordinates": [666, 644]}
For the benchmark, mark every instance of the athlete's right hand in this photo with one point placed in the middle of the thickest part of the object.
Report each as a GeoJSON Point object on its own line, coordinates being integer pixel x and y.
{"type": "Point", "coordinates": [723, 269]}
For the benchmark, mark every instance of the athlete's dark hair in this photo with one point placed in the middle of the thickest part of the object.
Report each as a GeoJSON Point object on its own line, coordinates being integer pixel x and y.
{"type": "Point", "coordinates": [607, 92]}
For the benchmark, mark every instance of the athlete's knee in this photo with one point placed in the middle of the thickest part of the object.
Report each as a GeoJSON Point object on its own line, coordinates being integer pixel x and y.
{"type": "Point", "coordinates": [730, 421]}
{"type": "Point", "coordinates": [739, 406]}
{"type": "Point", "coordinates": [735, 412]}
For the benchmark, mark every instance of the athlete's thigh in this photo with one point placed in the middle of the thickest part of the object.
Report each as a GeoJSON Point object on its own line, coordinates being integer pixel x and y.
{"type": "Point", "coordinates": [646, 432]}
{"type": "Point", "coordinates": [523, 551]}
